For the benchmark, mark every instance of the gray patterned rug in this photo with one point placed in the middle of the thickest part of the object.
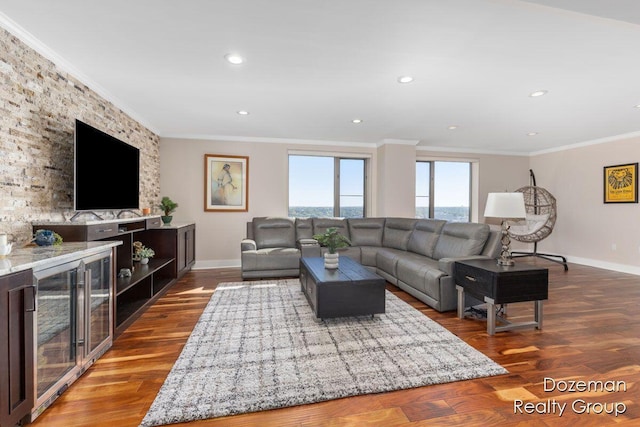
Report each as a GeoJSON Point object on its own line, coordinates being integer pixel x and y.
{"type": "Point", "coordinates": [257, 347]}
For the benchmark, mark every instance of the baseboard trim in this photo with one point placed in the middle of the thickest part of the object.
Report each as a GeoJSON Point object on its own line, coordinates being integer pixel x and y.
{"type": "Point", "coordinates": [621, 268]}
{"type": "Point", "coordinates": [216, 263]}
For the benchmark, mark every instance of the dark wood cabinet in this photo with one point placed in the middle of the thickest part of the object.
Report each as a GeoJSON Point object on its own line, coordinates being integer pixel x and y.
{"type": "Point", "coordinates": [174, 248]}
{"type": "Point", "coordinates": [17, 305]}
{"type": "Point", "coordinates": [186, 250]}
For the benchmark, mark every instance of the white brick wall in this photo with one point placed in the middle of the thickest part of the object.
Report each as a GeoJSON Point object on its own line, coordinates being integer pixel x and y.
{"type": "Point", "coordinates": [38, 107]}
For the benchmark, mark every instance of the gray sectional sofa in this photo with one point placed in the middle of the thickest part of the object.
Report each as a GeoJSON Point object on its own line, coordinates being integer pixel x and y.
{"type": "Point", "coordinates": [417, 255]}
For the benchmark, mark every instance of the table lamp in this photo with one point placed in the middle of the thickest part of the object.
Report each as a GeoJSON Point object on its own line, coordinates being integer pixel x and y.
{"type": "Point", "coordinates": [506, 206]}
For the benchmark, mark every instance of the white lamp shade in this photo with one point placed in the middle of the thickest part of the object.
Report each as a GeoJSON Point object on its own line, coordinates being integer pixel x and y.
{"type": "Point", "coordinates": [505, 205]}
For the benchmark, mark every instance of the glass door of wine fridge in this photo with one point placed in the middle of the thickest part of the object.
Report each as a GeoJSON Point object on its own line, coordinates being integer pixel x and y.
{"type": "Point", "coordinates": [56, 314]}
{"type": "Point", "coordinates": [98, 306]}
{"type": "Point", "coordinates": [74, 306]}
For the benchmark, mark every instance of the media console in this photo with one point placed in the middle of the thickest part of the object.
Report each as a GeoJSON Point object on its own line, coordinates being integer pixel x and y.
{"type": "Point", "coordinates": [174, 248]}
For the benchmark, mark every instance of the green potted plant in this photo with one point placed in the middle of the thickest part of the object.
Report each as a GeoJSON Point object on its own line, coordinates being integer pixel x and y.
{"type": "Point", "coordinates": [332, 240]}
{"type": "Point", "coordinates": [168, 206]}
{"type": "Point", "coordinates": [142, 253]}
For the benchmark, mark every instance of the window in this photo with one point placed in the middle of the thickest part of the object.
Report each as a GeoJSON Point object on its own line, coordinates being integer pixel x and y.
{"type": "Point", "coordinates": [443, 190]}
{"type": "Point", "coordinates": [327, 186]}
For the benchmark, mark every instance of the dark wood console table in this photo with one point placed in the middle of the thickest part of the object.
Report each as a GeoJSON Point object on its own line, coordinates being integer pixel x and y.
{"type": "Point", "coordinates": [497, 284]}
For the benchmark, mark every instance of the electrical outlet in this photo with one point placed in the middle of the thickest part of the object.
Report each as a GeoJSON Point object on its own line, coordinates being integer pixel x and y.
{"type": "Point", "coordinates": [614, 247]}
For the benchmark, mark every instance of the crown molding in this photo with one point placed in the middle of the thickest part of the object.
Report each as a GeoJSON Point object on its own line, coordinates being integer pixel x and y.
{"type": "Point", "coordinates": [391, 141]}
{"type": "Point", "coordinates": [588, 143]}
{"type": "Point", "coordinates": [472, 151]}
{"type": "Point", "coordinates": [269, 140]}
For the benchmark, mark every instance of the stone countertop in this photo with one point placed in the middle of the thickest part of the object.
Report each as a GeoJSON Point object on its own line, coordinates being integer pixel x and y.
{"type": "Point", "coordinates": [176, 224]}
{"type": "Point", "coordinates": [39, 257]}
{"type": "Point", "coordinates": [44, 224]}
{"type": "Point", "coordinates": [173, 225]}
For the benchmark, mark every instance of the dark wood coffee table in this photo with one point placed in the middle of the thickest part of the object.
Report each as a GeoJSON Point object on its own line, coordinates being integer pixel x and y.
{"type": "Point", "coordinates": [349, 290]}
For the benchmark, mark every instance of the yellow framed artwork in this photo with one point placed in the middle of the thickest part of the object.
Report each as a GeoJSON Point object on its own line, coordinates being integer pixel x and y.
{"type": "Point", "coordinates": [621, 183]}
{"type": "Point", "coordinates": [226, 183]}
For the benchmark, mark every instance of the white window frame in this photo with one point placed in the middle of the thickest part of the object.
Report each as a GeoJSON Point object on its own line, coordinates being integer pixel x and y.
{"type": "Point", "coordinates": [367, 204]}
{"type": "Point", "coordinates": [474, 188]}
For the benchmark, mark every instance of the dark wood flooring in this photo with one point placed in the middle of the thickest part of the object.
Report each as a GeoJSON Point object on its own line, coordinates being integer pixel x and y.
{"type": "Point", "coordinates": [591, 333]}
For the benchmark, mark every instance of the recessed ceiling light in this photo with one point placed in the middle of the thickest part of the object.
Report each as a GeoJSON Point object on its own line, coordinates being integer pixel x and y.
{"type": "Point", "coordinates": [234, 58]}
{"type": "Point", "coordinates": [405, 79]}
{"type": "Point", "coordinates": [452, 127]}
{"type": "Point", "coordinates": [356, 121]}
{"type": "Point", "coordinates": [243, 113]}
{"type": "Point", "coordinates": [637, 106]}
{"type": "Point", "coordinates": [532, 133]}
{"type": "Point", "coordinates": [538, 93]}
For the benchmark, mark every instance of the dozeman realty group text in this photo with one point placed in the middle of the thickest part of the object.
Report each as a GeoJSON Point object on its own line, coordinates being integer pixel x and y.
{"type": "Point", "coordinates": [579, 406]}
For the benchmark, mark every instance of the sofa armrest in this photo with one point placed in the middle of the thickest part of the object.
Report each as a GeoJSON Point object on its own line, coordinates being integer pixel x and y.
{"type": "Point", "coordinates": [309, 248]}
{"type": "Point", "coordinates": [307, 242]}
{"type": "Point", "coordinates": [248, 245]}
{"type": "Point", "coordinates": [446, 264]}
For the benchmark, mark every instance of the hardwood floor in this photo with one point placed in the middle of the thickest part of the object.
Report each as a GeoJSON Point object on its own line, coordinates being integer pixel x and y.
{"type": "Point", "coordinates": [591, 333]}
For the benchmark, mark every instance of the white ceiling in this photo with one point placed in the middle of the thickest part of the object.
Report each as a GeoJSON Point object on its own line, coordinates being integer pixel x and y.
{"type": "Point", "coordinates": [314, 65]}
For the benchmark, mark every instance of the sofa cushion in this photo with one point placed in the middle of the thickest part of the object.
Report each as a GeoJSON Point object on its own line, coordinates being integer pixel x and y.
{"type": "Point", "coordinates": [271, 259]}
{"type": "Point", "coordinates": [366, 231]}
{"type": "Point", "coordinates": [421, 273]}
{"type": "Point", "coordinates": [321, 225]}
{"type": "Point", "coordinates": [397, 232]}
{"type": "Point", "coordinates": [304, 228]}
{"type": "Point", "coordinates": [368, 255]}
{"type": "Point", "coordinates": [459, 239]}
{"type": "Point", "coordinates": [425, 236]}
{"type": "Point", "coordinates": [271, 232]}
{"type": "Point", "coordinates": [387, 260]}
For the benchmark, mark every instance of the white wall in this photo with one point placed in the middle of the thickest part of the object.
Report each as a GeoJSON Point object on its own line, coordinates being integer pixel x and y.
{"type": "Point", "coordinates": [396, 180]}
{"type": "Point", "coordinates": [585, 230]}
{"type": "Point", "coordinates": [586, 227]}
{"type": "Point", "coordinates": [218, 234]}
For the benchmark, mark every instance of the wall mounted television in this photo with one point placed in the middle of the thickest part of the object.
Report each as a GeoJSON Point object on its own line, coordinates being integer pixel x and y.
{"type": "Point", "coordinates": [106, 171]}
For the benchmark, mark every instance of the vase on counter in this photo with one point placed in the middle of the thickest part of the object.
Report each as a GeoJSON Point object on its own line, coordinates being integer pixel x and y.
{"type": "Point", "coordinates": [45, 238]}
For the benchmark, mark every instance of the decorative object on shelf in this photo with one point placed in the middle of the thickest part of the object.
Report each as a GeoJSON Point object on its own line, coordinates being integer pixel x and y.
{"type": "Point", "coordinates": [226, 183]}
{"type": "Point", "coordinates": [142, 253]}
{"type": "Point", "coordinates": [146, 211]}
{"type": "Point", "coordinates": [332, 240]}
{"type": "Point", "coordinates": [47, 238]}
{"type": "Point", "coordinates": [506, 206]}
{"type": "Point", "coordinates": [5, 247]}
{"type": "Point", "coordinates": [124, 272]}
{"type": "Point", "coordinates": [168, 206]}
{"type": "Point", "coordinates": [621, 183]}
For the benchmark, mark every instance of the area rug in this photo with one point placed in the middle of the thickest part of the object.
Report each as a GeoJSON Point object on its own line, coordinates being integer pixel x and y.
{"type": "Point", "coordinates": [257, 346]}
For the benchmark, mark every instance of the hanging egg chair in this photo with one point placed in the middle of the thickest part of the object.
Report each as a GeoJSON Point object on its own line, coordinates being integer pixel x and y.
{"type": "Point", "coordinates": [541, 209]}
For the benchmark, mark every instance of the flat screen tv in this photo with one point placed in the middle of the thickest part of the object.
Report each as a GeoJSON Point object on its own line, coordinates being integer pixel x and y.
{"type": "Point", "coordinates": [107, 171]}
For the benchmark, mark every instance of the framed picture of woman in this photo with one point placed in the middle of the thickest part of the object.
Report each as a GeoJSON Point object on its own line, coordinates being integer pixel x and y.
{"type": "Point", "coordinates": [226, 186]}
